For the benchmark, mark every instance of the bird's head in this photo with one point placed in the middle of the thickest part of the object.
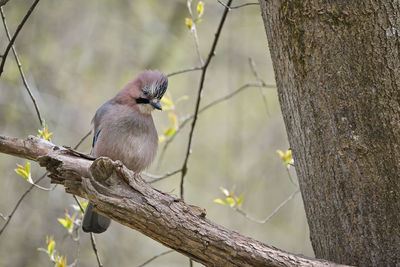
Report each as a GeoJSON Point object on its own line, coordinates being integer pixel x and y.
{"type": "Point", "coordinates": [147, 89]}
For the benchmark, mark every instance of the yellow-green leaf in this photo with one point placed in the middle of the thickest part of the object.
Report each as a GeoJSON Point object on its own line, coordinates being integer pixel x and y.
{"type": "Point", "coordinates": [25, 172]}
{"type": "Point", "coordinates": [63, 222]}
{"type": "Point", "coordinates": [220, 201]}
{"type": "Point", "coordinates": [189, 23]}
{"type": "Point", "coordinates": [286, 157]}
{"type": "Point", "coordinates": [28, 167]}
{"type": "Point", "coordinates": [167, 102]}
{"type": "Point", "coordinates": [161, 138]}
{"type": "Point", "coordinates": [50, 244]}
{"type": "Point", "coordinates": [22, 173]}
{"type": "Point", "coordinates": [174, 119]}
{"type": "Point", "coordinates": [44, 133]}
{"type": "Point", "coordinates": [200, 8]}
{"type": "Point", "coordinates": [61, 261]}
{"type": "Point", "coordinates": [230, 201]}
{"type": "Point", "coordinates": [169, 132]}
{"type": "Point", "coordinates": [84, 204]}
{"type": "Point", "coordinates": [239, 200]}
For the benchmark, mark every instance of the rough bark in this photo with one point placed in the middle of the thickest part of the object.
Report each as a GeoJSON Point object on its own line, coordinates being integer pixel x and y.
{"type": "Point", "coordinates": [124, 197]}
{"type": "Point", "coordinates": [337, 69]}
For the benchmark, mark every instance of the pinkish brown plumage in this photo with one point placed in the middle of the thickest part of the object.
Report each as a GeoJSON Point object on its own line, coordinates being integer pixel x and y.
{"type": "Point", "coordinates": [124, 130]}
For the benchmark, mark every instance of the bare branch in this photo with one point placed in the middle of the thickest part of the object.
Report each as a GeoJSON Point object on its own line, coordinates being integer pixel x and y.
{"type": "Point", "coordinates": [3, 2]}
{"type": "Point", "coordinates": [155, 257]}
{"type": "Point", "coordinates": [19, 28]}
{"type": "Point", "coordinates": [157, 178]}
{"type": "Point", "coordinates": [82, 139]}
{"type": "Point", "coordinates": [21, 71]}
{"type": "Point", "coordinates": [92, 239]}
{"type": "Point", "coordinates": [9, 217]}
{"type": "Point", "coordinates": [94, 247]}
{"type": "Point", "coordinates": [213, 103]}
{"type": "Point", "coordinates": [254, 70]}
{"type": "Point", "coordinates": [184, 70]}
{"type": "Point", "coordinates": [272, 213]}
{"type": "Point", "coordinates": [199, 93]}
{"type": "Point", "coordinates": [123, 196]}
{"type": "Point", "coordinates": [238, 6]}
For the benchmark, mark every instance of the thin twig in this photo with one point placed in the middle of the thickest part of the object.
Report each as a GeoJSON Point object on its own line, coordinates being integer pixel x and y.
{"type": "Point", "coordinates": [19, 202]}
{"type": "Point", "coordinates": [217, 101]}
{"type": "Point", "coordinates": [194, 31]}
{"type": "Point", "coordinates": [238, 6]}
{"type": "Point", "coordinates": [21, 71]}
{"type": "Point", "coordinates": [82, 139]}
{"type": "Point", "coordinates": [3, 2]}
{"type": "Point", "coordinates": [254, 70]}
{"type": "Point", "coordinates": [272, 213]}
{"type": "Point", "coordinates": [155, 257]}
{"type": "Point", "coordinates": [43, 188]}
{"type": "Point", "coordinates": [290, 177]}
{"type": "Point", "coordinates": [157, 178]}
{"type": "Point", "coordinates": [92, 239]}
{"type": "Point", "coordinates": [184, 70]}
{"type": "Point", "coordinates": [10, 44]}
{"type": "Point", "coordinates": [199, 93]}
{"type": "Point", "coordinates": [94, 246]}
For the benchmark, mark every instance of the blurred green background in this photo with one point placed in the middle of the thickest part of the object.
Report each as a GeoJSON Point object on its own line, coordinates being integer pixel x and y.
{"type": "Point", "coordinates": [78, 54]}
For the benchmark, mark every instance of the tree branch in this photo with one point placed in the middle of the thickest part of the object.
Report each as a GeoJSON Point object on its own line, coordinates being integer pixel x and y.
{"type": "Point", "coordinates": [124, 197]}
{"type": "Point", "coordinates": [199, 93]}
{"type": "Point", "coordinates": [19, 28]}
{"type": "Point", "coordinates": [21, 71]}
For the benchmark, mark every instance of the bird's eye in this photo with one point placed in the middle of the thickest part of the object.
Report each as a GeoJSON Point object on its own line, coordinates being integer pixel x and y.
{"type": "Point", "coordinates": [145, 93]}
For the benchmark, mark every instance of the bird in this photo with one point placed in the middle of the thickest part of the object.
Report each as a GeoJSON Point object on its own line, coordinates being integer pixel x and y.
{"type": "Point", "coordinates": [123, 129]}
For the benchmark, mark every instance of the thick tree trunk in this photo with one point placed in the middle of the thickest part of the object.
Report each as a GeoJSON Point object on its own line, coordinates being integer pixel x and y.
{"type": "Point", "coordinates": [337, 68]}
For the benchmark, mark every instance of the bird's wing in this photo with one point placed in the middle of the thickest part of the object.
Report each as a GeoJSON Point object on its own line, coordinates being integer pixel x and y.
{"type": "Point", "coordinates": [97, 122]}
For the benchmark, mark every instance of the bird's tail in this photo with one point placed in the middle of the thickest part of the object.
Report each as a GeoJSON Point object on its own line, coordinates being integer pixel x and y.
{"type": "Point", "coordinates": [93, 222]}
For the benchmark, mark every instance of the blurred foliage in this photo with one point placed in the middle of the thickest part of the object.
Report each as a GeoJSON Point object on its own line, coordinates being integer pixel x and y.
{"type": "Point", "coordinates": [77, 55]}
{"type": "Point", "coordinates": [231, 200]}
{"type": "Point", "coordinates": [286, 157]}
{"type": "Point", "coordinates": [59, 261]}
{"type": "Point", "coordinates": [25, 171]}
{"type": "Point", "coordinates": [44, 133]}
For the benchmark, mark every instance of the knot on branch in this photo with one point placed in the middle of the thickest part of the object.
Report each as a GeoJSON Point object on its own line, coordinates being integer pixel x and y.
{"type": "Point", "coordinates": [108, 178]}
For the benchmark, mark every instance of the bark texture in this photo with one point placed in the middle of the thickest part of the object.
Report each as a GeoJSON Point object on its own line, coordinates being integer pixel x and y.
{"type": "Point", "coordinates": [337, 69]}
{"type": "Point", "coordinates": [119, 194]}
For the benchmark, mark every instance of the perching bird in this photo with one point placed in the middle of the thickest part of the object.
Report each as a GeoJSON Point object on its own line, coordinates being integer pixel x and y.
{"type": "Point", "coordinates": [124, 130]}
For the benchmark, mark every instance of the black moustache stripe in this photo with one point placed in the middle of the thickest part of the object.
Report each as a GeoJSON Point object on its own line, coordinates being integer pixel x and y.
{"type": "Point", "coordinates": [142, 100]}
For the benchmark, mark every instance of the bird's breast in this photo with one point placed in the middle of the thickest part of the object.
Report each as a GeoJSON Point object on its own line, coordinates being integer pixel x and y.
{"type": "Point", "coordinates": [131, 140]}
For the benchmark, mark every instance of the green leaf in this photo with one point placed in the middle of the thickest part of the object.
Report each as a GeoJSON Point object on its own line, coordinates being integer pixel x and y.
{"type": "Point", "coordinates": [189, 23]}
{"type": "Point", "coordinates": [239, 200]}
{"type": "Point", "coordinates": [25, 172]}
{"type": "Point", "coordinates": [50, 245]}
{"type": "Point", "coordinates": [64, 223]}
{"type": "Point", "coordinates": [200, 8]}
{"type": "Point", "coordinates": [231, 201]}
{"type": "Point", "coordinates": [169, 132]}
{"type": "Point", "coordinates": [21, 173]}
{"type": "Point", "coordinates": [220, 201]}
{"type": "Point", "coordinates": [28, 167]}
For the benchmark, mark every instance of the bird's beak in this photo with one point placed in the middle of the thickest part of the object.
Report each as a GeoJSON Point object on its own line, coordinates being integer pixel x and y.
{"type": "Point", "coordinates": [156, 105]}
